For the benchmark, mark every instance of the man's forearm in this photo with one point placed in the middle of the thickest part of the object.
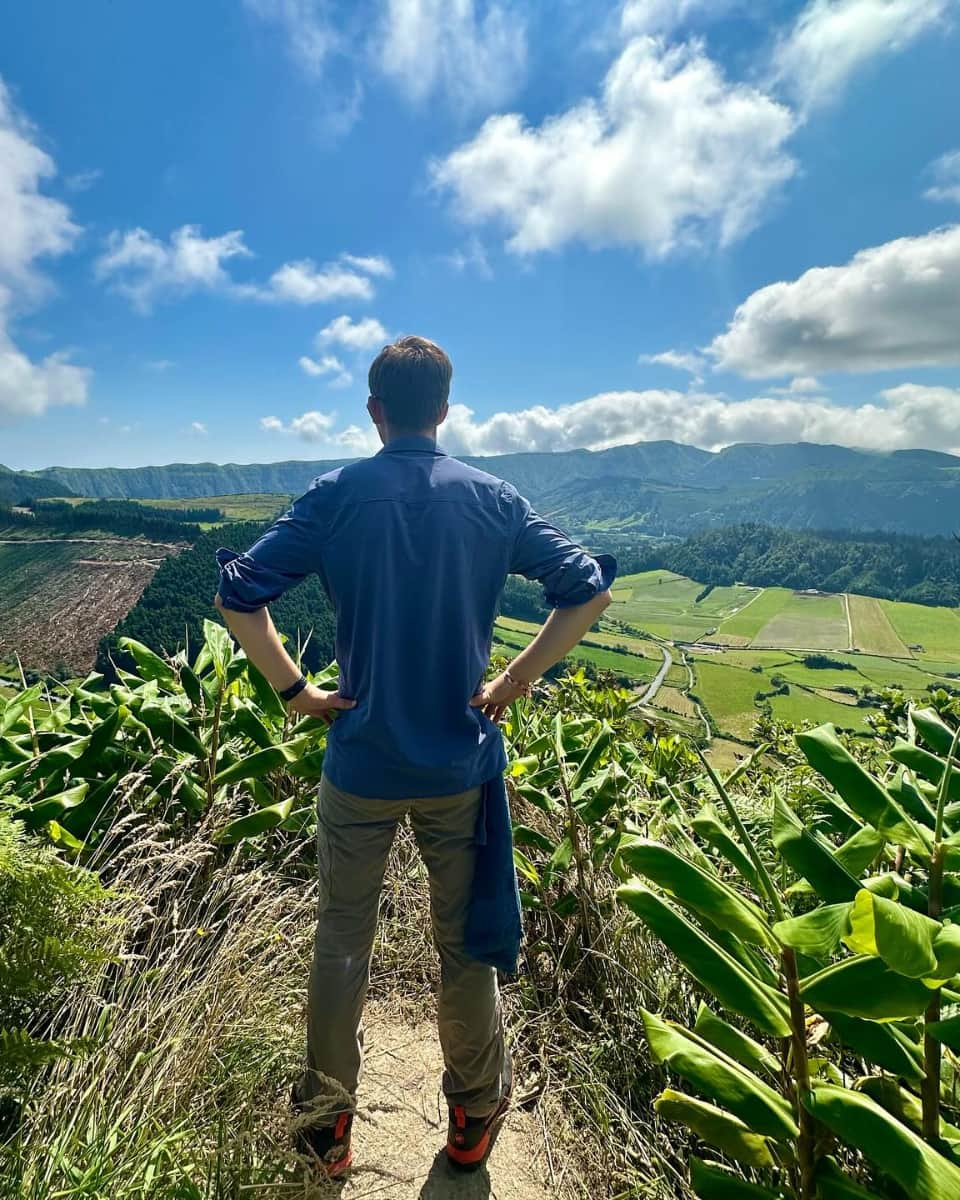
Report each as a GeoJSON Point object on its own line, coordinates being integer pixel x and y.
{"type": "Point", "coordinates": [261, 643]}
{"type": "Point", "coordinates": [561, 631]}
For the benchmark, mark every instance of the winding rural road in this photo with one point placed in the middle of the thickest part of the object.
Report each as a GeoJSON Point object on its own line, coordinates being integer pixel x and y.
{"type": "Point", "coordinates": [649, 695]}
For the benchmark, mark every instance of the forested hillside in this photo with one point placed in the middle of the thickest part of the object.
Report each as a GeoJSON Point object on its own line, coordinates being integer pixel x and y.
{"type": "Point", "coordinates": [651, 487]}
{"type": "Point", "coordinates": [172, 609]}
{"type": "Point", "coordinates": [920, 570]}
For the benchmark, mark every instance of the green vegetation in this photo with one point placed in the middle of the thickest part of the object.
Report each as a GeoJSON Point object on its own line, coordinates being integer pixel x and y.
{"type": "Point", "coordinates": [807, 622]}
{"type": "Point", "coordinates": [798, 917]}
{"type": "Point", "coordinates": [743, 626]}
{"type": "Point", "coordinates": [928, 632]}
{"type": "Point", "coordinates": [171, 611]}
{"type": "Point", "coordinates": [921, 570]}
{"type": "Point", "coordinates": [126, 518]}
{"type": "Point", "coordinates": [666, 605]}
{"type": "Point", "coordinates": [872, 631]}
{"type": "Point", "coordinates": [262, 506]}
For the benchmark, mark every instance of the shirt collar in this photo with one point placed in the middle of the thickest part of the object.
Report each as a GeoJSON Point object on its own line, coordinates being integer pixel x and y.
{"type": "Point", "coordinates": [411, 442]}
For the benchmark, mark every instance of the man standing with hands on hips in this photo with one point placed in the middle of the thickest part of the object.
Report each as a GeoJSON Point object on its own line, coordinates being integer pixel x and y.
{"type": "Point", "coordinates": [413, 548]}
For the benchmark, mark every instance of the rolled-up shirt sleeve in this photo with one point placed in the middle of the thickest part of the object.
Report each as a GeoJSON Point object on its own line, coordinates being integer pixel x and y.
{"type": "Point", "coordinates": [286, 554]}
{"type": "Point", "coordinates": [569, 575]}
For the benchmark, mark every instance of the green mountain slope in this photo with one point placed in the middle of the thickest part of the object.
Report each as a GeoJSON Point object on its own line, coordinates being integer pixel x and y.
{"type": "Point", "coordinates": [17, 485]}
{"type": "Point", "coordinates": [650, 487]}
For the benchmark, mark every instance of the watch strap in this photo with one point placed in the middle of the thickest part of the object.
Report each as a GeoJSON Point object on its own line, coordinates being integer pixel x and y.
{"type": "Point", "coordinates": [293, 690]}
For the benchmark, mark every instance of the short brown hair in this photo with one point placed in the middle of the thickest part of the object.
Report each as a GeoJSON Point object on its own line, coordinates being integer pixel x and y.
{"type": "Point", "coordinates": [411, 379]}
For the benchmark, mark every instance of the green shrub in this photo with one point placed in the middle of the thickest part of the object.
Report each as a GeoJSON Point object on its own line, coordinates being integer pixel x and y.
{"type": "Point", "coordinates": [53, 923]}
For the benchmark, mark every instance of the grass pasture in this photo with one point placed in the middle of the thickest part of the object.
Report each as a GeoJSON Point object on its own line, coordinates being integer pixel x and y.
{"type": "Point", "coordinates": [927, 632]}
{"type": "Point", "coordinates": [872, 631]}
{"type": "Point", "coordinates": [666, 605]}
{"type": "Point", "coordinates": [743, 626]}
{"type": "Point", "coordinates": [253, 506]}
{"type": "Point", "coordinates": [809, 622]}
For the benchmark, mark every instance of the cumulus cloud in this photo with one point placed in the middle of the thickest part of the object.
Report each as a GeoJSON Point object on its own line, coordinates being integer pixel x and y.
{"type": "Point", "coordinates": [945, 171]}
{"type": "Point", "coordinates": [473, 52]}
{"type": "Point", "coordinates": [904, 417]}
{"type": "Point", "coordinates": [365, 334]}
{"type": "Point", "coordinates": [304, 282]}
{"type": "Point", "coordinates": [35, 226]}
{"type": "Point", "coordinates": [330, 365]}
{"type": "Point", "coordinates": [145, 268]}
{"type": "Point", "coordinates": [833, 39]}
{"type": "Point", "coordinates": [660, 16]}
{"type": "Point", "coordinates": [671, 153]}
{"type": "Point", "coordinates": [319, 427]}
{"type": "Point", "coordinates": [894, 305]}
{"type": "Point", "coordinates": [693, 364]}
{"type": "Point", "coordinates": [198, 427]}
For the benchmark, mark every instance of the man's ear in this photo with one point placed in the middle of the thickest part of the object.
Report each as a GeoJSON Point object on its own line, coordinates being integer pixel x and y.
{"type": "Point", "coordinates": [443, 413]}
{"type": "Point", "coordinates": [375, 409]}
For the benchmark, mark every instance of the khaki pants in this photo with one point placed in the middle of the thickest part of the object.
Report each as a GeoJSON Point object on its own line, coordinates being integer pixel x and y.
{"type": "Point", "coordinates": [354, 836]}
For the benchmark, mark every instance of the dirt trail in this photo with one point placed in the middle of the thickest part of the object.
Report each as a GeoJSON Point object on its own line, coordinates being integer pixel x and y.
{"type": "Point", "coordinates": [401, 1127]}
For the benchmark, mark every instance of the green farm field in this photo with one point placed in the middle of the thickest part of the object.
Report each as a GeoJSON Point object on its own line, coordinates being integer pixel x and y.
{"type": "Point", "coordinates": [927, 632]}
{"type": "Point", "coordinates": [254, 506]}
{"type": "Point", "coordinates": [666, 605]}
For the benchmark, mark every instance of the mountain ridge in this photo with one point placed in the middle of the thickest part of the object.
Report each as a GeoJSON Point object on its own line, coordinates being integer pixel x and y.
{"type": "Point", "coordinates": [645, 487]}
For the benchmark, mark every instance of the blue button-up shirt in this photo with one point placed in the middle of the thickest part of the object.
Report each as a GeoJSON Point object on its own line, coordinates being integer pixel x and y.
{"type": "Point", "coordinates": [413, 548]}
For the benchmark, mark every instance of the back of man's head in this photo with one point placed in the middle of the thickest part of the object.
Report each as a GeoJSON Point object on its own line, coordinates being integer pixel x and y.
{"type": "Point", "coordinates": [411, 379]}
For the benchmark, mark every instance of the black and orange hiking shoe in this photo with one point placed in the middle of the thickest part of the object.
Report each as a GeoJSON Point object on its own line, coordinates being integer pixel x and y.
{"type": "Point", "coordinates": [328, 1145]}
{"type": "Point", "coordinates": [470, 1139]}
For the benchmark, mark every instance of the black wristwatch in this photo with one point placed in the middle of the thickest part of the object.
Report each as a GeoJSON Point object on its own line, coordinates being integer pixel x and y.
{"type": "Point", "coordinates": [293, 690]}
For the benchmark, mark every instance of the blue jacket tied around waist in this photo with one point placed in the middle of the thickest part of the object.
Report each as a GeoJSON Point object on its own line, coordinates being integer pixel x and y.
{"type": "Point", "coordinates": [413, 548]}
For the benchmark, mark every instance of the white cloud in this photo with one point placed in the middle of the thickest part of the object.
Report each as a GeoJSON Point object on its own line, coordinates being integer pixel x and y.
{"type": "Point", "coordinates": [307, 27]}
{"type": "Point", "coordinates": [34, 226]}
{"type": "Point", "coordinates": [904, 417]}
{"type": "Point", "coordinates": [147, 269]}
{"type": "Point", "coordinates": [159, 364]}
{"type": "Point", "coordinates": [82, 181]}
{"type": "Point", "coordinates": [894, 305]}
{"type": "Point", "coordinates": [833, 39]}
{"type": "Point", "coordinates": [802, 385]}
{"type": "Point", "coordinates": [472, 256]}
{"type": "Point", "coordinates": [318, 427]}
{"type": "Point", "coordinates": [144, 268]}
{"type": "Point", "coordinates": [198, 427]}
{"type": "Point", "coordinates": [329, 364]}
{"type": "Point", "coordinates": [370, 264]}
{"type": "Point", "coordinates": [694, 364]}
{"type": "Point", "coordinates": [304, 282]}
{"type": "Point", "coordinates": [365, 334]}
{"type": "Point", "coordinates": [473, 52]}
{"type": "Point", "coordinates": [946, 175]}
{"type": "Point", "coordinates": [671, 154]}
{"type": "Point", "coordinates": [660, 16]}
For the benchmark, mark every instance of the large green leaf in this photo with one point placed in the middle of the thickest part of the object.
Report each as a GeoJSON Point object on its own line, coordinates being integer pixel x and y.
{"type": "Point", "coordinates": [173, 731]}
{"type": "Point", "coordinates": [882, 1044]}
{"type": "Point", "coordinates": [260, 762]}
{"type": "Point", "coordinates": [258, 822]}
{"type": "Point", "coordinates": [149, 664]}
{"type": "Point", "coordinates": [928, 766]}
{"type": "Point", "coordinates": [757, 1104]}
{"type": "Point", "coordinates": [735, 1043]}
{"type": "Point", "coordinates": [902, 938]}
{"type": "Point", "coordinates": [935, 732]}
{"type": "Point", "coordinates": [865, 987]}
{"type": "Point", "coordinates": [708, 825]}
{"type": "Point", "coordinates": [947, 1031]}
{"type": "Point", "coordinates": [716, 1127]}
{"type": "Point", "coordinates": [219, 645]}
{"type": "Point", "coordinates": [860, 850]}
{"type": "Point", "coordinates": [696, 889]}
{"type": "Point", "coordinates": [816, 933]}
{"type": "Point", "coordinates": [595, 751]}
{"type": "Point", "coordinates": [52, 807]}
{"type": "Point", "coordinates": [898, 1152]}
{"type": "Point", "coordinates": [712, 1182]}
{"type": "Point", "coordinates": [867, 797]}
{"type": "Point", "coordinates": [810, 856]}
{"type": "Point", "coordinates": [902, 1104]}
{"type": "Point", "coordinates": [712, 967]}
{"type": "Point", "coordinates": [832, 1184]}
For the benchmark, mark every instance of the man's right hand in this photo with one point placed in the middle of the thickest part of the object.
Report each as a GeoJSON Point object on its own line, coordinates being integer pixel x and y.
{"type": "Point", "coordinates": [494, 697]}
{"type": "Point", "coordinates": [315, 702]}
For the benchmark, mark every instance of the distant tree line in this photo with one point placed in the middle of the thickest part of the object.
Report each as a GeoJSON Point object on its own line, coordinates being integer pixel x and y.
{"type": "Point", "coordinates": [889, 566]}
{"type": "Point", "coordinates": [126, 518]}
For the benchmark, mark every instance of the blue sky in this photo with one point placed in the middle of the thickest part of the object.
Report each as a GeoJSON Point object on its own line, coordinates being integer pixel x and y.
{"type": "Point", "coordinates": [626, 220]}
